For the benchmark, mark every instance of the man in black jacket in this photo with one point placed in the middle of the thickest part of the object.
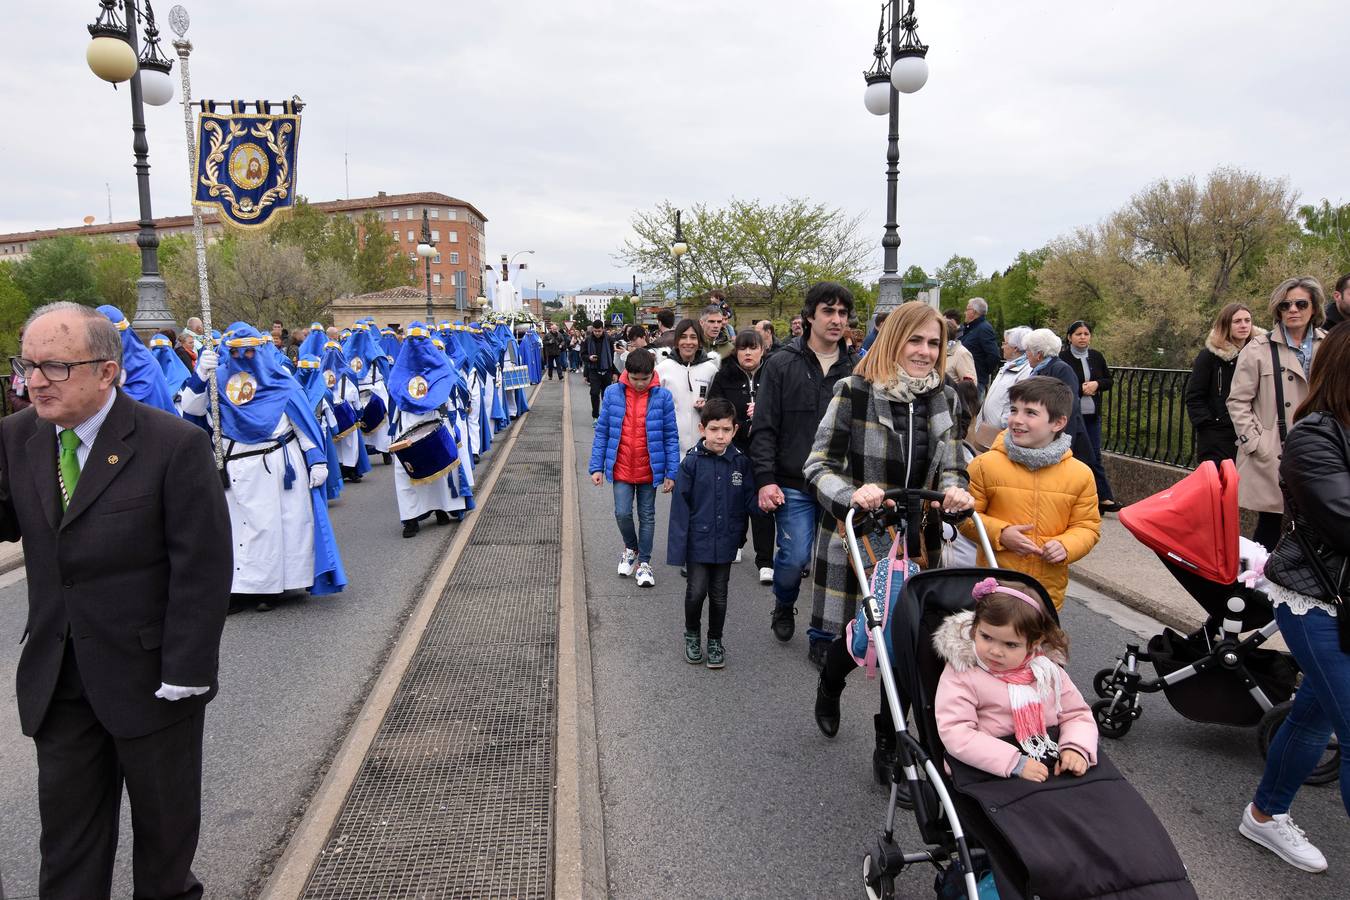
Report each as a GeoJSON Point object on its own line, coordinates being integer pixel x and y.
{"type": "Point", "coordinates": [597, 361]}
{"type": "Point", "coordinates": [978, 337]}
{"type": "Point", "coordinates": [795, 389]}
{"type": "Point", "coordinates": [1338, 310]}
{"type": "Point", "coordinates": [127, 594]}
{"type": "Point", "coordinates": [555, 345]}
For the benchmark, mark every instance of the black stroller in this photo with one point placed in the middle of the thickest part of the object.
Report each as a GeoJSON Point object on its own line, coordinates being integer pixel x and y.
{"type": "Point", "coordinates": [1213, 675]}
{"type": "Point", "coordinates": [973, 823]}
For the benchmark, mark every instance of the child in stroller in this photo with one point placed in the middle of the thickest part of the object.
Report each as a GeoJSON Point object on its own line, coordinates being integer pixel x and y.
{"type": "Point", "coordinates": [1076, 835]}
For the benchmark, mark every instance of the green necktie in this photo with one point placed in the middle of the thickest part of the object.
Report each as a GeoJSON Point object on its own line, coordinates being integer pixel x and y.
{"type": "Point", "coordinates": [69, 464]}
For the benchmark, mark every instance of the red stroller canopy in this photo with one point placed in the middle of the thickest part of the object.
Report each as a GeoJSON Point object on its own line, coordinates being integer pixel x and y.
{"type": "Point", "coordinates": [1194, 523]}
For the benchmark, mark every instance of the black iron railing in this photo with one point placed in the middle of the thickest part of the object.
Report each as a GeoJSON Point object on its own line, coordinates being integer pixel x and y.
{"type": "Point", "coordinates": [1145, 416]}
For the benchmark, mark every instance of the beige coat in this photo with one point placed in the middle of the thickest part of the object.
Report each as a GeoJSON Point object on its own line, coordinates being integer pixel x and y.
{"type": "Point", "coordinates": [960, 362]}
{"type": "Point", "coordinates": [1251, 403]}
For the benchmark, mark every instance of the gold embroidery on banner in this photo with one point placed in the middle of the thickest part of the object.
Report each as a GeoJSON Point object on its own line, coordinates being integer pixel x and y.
{"type": "Point", "coordinates": [244, 208]}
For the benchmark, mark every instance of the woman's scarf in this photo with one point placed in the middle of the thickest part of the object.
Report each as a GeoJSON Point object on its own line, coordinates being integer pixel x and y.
{"type": "Point", "coordinates": [1087, 405]}
{"type": "Point", "coordinates": [1030, 686]}
{"type": "Point", "coordinates": [903, 387]}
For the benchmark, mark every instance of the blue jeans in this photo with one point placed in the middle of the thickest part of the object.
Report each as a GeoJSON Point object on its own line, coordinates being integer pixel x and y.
{"type": "Point", "coordinates": [796, 522]}
{"type": "Point", "coordinates": [641, 539]}
{"type": "Point", "coordinates": [1321, 706]}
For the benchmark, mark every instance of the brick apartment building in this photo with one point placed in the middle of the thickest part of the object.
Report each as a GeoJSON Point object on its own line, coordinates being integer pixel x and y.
{"type": "Point", "coordinates": [457, 230]}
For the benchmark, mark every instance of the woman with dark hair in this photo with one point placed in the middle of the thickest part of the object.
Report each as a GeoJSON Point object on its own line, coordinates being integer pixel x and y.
{"type": "Point", "coordinates": [1212, 378]}
{"type": "Point", "coordinates": [1309, 572]}
{"type": "Point", "coordinates": [686, 371]}
{"type": "Point", "coordinates": [1094, 380]}
{"type": "Point", "coordinates": [1273, 368]}
{"type": "Point", "coordinates": [737, 380]}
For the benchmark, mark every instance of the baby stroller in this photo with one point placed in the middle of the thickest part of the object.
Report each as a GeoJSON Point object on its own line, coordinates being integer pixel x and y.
{"type": "Point", "coordinates": [979, 828]}
{"type": "Point", "coordinates": [1213, 675]}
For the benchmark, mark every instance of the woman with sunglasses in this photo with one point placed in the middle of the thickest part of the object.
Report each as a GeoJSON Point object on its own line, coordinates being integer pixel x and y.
{"type": "Point", "coordinates": [1262, 407]}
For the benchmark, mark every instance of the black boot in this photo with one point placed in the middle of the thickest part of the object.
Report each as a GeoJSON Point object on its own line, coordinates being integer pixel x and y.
{"type": "Point", "coordinates": [410, 528]}
{"type": "Point", "coordinates": [442, 517]}
{"type": "Point", "coordinates": [388, 459]}
{"type": "Point", "coordinates": [827, 709]}
{"type": "Point", "coordinates": [883, 761]}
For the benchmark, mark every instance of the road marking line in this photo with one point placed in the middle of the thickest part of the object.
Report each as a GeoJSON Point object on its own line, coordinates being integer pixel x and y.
{"type": "Point", "coordinates": [292, 871]}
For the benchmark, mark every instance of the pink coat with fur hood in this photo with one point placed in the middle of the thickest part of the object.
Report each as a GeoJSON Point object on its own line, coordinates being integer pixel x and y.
{"type": "Point", "coordinates": [973, 710]}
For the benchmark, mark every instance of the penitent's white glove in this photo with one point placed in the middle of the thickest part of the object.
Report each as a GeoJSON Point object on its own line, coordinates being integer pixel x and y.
{"type": "Point", "coordinates": [173, 692]}
{"type": "Point", "coordinates": [318, 475]}
{"type": "Point", "coordinates": [207, 363]}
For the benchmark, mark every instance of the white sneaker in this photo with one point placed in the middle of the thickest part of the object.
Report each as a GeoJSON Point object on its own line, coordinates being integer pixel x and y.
{"type": "Point", "coordinates": [627, 560]}
{"type": "Point", "coordinates": [766, 576]}
{"type": "Point", "coordinates": [1283, 838]}
{"type": "Point", "coordinates": [738, 556]}
{"type": "Point", "coordinates": [644, 577]}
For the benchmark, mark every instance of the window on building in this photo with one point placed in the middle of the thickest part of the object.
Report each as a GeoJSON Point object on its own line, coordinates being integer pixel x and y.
{"type": "Point", "coordinates": [397, 237]}
{"type": "Point", "coordinates": [436, 259]}
{"type": "Point", "coordinates": [412, 257]}
{"type": "Point", "coordinates": [461, 290]}
{"type": "Point", "coordinates": [435, 213]}
{"type": "Point", "coordinates": [454, 237]}
{"type": "Point", "coordinates": [435, 235]}
{"type": "Point", "coordinates": [411, 216]}
{"type": "Point", "coordinates": [393, 215]}
{"type": "Point", "coordinates": [410, 237]}
{"type": "Point", "coordinates": [454, 259]}
{"type": "Point", "coordinates": [436, 279]}
{"type": "Point", "coordinates": [451, 214]}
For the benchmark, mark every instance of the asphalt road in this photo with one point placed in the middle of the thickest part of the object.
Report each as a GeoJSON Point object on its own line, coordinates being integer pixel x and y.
{"type": "Point", "coordinates": [718, 784]}
{"type": "Point", "coordinates": [290, 681]}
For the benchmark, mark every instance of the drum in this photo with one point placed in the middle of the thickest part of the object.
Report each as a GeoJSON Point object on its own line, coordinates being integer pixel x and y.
{"type": "Point", "coordinates": [426, 452]}
{"type": "Point", "coordinates": [375, 415]}
{"type": "Point", "coordinates": [346, 420]}
{"type": "Point", "coordinates": [515, 377]}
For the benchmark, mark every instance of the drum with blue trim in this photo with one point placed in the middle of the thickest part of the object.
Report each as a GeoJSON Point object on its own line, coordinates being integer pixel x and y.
{"type": "Point", "coordinates": [375, 415]}
{"type": "Point", "coordinates": [426, 452]}
{"type": "Point", "coordinates": [515, 377]}
{"type": "Point", "coordinates": [347, 421]}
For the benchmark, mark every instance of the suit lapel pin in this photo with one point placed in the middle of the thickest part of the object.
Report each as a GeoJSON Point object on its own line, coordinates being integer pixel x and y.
{"type": "Point", "coordinates": [112, 460]}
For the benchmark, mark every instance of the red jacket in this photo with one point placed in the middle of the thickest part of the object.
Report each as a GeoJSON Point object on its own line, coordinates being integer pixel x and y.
{"type": "Point", "coordinates": [632, 464]}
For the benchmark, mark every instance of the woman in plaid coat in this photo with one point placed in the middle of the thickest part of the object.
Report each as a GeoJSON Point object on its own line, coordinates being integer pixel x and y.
{"type": "Point", "coordinates": [891, 424]}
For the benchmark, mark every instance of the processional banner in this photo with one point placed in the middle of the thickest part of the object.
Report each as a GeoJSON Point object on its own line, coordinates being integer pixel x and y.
{"type": "Point", "coordinates": [246, 162]}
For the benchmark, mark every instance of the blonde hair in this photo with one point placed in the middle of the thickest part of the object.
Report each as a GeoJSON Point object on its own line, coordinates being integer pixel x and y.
{"type": "Point", "coordinates": [880, 363]}
{"type": "Point", "coordinates": [1309, 284]}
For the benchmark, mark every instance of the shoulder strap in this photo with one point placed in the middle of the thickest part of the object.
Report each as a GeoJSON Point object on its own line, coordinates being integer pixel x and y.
{"type": "Point", "coordinates": [1278, 372]}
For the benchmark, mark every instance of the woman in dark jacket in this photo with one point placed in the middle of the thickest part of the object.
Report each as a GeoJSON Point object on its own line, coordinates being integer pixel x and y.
{"type": "Point", "coordinates": [737, 380]}
{"type": "Point", "coordinates": [1309, 575]}
{"type": "Point", "coordinates": [1211, 378]}
{"type": "Point", "coordinates": [1094, 379]}
{"type": "Point", "coordinates": [891, 424]}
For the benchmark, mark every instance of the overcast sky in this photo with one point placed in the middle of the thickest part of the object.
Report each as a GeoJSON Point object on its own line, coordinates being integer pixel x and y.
{"type": "Point", "coordinates": [559, 118]}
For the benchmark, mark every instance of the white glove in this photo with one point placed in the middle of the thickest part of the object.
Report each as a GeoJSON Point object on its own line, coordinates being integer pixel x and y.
{"type": "Point", "coordinates": [318, 475]}
{"type": "Point", "coordinates": [207, 363]}
{"type": "Point", "coordinates": [173, 692]}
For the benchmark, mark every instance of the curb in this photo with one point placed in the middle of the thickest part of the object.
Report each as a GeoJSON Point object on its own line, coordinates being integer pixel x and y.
{"type": "Point", "coordinates": [1163, 612]}
{"type": "Point", "coordinates": [11, 561]}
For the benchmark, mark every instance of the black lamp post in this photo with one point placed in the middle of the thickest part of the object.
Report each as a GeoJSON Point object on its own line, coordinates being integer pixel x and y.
{"type": "Point", "coordinates": [678, 249]}
{"type": "Point", "coordinates": [113, 55]}
{"type": "Point", "coordinates": [426, 249]}
{"type": "Point", "coordinates": [900, 68]}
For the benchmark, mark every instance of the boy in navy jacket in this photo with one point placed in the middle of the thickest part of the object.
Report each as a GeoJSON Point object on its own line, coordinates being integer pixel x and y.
{"type": "Point", "coordinates": [714, 494]}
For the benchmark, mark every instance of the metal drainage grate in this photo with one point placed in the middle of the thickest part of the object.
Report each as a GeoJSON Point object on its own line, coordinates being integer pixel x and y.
{"type": "Point", "coordinates": [505, 565]}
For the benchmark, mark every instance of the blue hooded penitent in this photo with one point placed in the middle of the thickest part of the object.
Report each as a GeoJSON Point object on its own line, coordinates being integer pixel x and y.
{"type": "Point", "coordinates": [363, 351]}
{"type": "Point", "coordinates": [531, 352]}
{"type": "Point", "coordinates": [313, 343]}
{"type": "Point", "coordinates": [390, 343]}
{"type": "Point", "coordinates": [144, 377]}
{"type": "Point", "coordinates": [423, 378]}
{"type": "Point", "coordinates": [175, 373]}
{"type": "Point", "coordinates": [310, 376]}
{"type": "Point", "coordinates": [334, 364]}
{"type": "Point", "coordinates": [255, 391]}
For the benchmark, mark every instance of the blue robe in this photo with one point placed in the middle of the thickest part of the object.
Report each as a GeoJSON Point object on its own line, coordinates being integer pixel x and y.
{"type": "Point", "coordinates": [144, 377]}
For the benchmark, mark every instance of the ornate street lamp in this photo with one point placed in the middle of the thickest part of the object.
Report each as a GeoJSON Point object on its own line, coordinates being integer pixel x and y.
{"type": "Point", "coordinates": [678, 249]}
{"type": "Point", "coordinates": [903, 70]}
{"type": "Point", "coordinates": [113, 56]}
{"type": "Point", "coordinates": [426, 249]}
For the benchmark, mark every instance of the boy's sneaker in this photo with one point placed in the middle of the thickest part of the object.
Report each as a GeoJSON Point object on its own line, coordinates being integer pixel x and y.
{"type": "Point", "coordinates": [717, 657]}
{"type": "Point", "coordinates": [627, 561]}
{"type": "Point", "coordinates": [784, 622]}
{"type": "Point", "coordinates": [1280, 836]}
{"type": "Point", "coordinates": [693, 653]}
{"type": "Point", "coordinates": [766, 575]}
{"type": "Point", "coordinates": [644, 577]}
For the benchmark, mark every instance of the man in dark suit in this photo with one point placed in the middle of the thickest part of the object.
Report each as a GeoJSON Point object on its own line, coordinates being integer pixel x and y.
{"type": "Point", "coordinates": [127, 594]}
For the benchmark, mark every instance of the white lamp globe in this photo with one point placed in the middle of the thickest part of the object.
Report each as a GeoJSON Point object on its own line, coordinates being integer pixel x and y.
{"type": "Point", "coordinates": [111, 59]}
{"type": "Point", "coordinates": [679, 248]}
{"type": "Point", "coordinates": [877, 97]}
{"type": "Point", "coordinates": [156, 86]}
{"type": "Point", "coordinates": [426, 251]}
{"type": "Point", "coordinates": [909, 73]}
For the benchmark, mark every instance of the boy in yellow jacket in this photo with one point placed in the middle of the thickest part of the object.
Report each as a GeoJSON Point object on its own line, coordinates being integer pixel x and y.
{"type": "Point", "coordinates": [1038, 503]}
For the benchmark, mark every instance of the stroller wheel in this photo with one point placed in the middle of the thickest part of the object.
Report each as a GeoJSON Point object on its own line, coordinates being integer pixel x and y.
{"type": "Point", "coordinates": [876, 884]}
{"type": "Point", "coordinates": [1104, 683]}
{"type": "Point", "coordinates": [1112, 724]}
{"type": "Point", "coordinates": [1327, 768]}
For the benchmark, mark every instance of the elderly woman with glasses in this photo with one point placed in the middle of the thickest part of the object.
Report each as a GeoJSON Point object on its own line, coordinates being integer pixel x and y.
{"type": "Point", "coordinates": [1262, 408]}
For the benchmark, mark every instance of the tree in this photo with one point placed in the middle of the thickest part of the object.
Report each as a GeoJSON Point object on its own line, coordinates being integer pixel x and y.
{"type": "Point", "coordinates": [624, 307]}
{"type": "Point", "coordinates": [115, 267]}
{"type": "Point", "coordinates": [580, 319]}
{"type": "Point", "coordinates": [14, 309]}
{"type": "Point", "coordinates": [60, 268]}
{"type": "Point", "coordinates": [379, 264]}
{"type": "Point", "coordinates": [956, 276]}
{"type": "Point", "coordinates": [912, 275]}
{"type": "Point", "coordinates": [257, 281]}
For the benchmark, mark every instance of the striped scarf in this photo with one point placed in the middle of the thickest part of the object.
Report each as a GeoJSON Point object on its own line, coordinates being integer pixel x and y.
{"type": "Point", "coordinates": [1027, 690]}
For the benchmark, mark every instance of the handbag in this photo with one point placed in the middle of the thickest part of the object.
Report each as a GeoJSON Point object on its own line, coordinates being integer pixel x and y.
{"type": "Point", "coordinates": [888, 577]}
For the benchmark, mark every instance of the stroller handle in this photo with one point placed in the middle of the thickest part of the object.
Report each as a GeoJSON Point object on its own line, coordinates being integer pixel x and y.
{"type": "Point", "coordinates": [922, 496]}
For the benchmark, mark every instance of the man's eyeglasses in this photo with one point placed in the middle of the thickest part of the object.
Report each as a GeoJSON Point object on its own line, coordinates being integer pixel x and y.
{"type": "Point", "coordinates": [1284, 305]}
{"type": "Point", "coordinates": [51, 370]}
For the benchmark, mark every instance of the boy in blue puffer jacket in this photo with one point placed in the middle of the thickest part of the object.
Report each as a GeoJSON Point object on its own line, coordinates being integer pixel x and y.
{"type": "Point", "coordinates": [637, 446]}
{"type": "Point", "coordinates": [714, 495]}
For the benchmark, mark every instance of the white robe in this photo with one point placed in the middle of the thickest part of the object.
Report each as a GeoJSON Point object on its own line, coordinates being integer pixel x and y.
{"type": "Point", "coordinates": [416, 500]}
{"type": "Point", "coordinates": [272, 529]}
{"type": "Point", "coordinates": [348, 448]}
{"type": "Point", "coordinates": [380, 439]}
